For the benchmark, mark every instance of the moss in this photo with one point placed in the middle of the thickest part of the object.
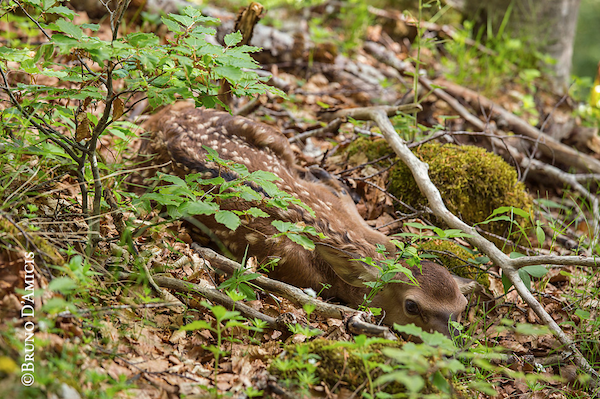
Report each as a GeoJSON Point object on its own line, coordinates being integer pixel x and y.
{"type": "Point", "coordinates": [456, 264]}
{"type": "Point", "coordinates": [472, 182]}
{"type": "Point", "coordinates": [372, 149]}
{"type": "Point", "coordinates": [335, 362]}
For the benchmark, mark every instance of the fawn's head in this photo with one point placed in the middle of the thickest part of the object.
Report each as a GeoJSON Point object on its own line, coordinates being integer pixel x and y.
{"type": "Point", "coordinates": [437, 299]}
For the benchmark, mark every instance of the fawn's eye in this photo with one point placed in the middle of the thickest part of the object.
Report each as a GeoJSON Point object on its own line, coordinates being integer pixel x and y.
{"type": "Point", "coordinates": [411, 307]}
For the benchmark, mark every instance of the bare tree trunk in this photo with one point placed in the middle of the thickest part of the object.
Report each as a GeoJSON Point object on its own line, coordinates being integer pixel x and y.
{"type": "Point", "coordinates": [545, 25]}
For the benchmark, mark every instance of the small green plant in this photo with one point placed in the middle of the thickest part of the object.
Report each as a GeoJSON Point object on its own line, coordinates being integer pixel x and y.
{"type": "Point", "coordinates": [197, 196]}
{"type": "Point", "coordinates": [224, 321]}
{"type": "Point", "coordinates": [299, 369]}
{"type": "Point", "coordinates": [388, 269]}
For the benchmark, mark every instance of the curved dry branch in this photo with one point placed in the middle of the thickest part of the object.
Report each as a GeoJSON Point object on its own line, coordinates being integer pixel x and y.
{"type": "Point", "coordinates": [591, 262]}
{"type": "Point", "coordinates": [436, 203]}
{"type": "Point", "coordinates": [293, 294]}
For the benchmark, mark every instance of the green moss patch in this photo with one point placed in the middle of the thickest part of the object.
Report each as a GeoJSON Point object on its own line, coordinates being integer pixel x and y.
{"type": "Point", "coordinates": [455, 264]}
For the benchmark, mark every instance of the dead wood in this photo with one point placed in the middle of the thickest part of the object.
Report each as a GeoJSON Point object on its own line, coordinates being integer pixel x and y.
{"type": "Point", "coordinates": [216, 296]}
{"type": "Point", "coordinates": [294, 294]}
{"type": "Point", "coordinates": [355, 320]}
{"type": "Point", "coordinates": [550, 147]}
{"type": "Point", "coordinates": [357, 325]}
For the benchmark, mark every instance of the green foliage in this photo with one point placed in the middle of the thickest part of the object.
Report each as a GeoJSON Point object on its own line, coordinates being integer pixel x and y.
{"type": "Point", "coordinates": [112, 75]}
{"type": "Point", "coordinates": [195, 195]}
{"type": "Point", "coordinates": [378, 368]}
{"type": "Point", "coordinates": [388, 268]}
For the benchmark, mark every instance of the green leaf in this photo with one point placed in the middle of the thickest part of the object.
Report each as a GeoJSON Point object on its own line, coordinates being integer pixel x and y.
{"type": "Point", "coordinates": [535, 270]}
{"type": "Point", "coordinates": [172, 25]}
{"type": "Point", "coordinates": [65, 43]}
{"type": "Point", "coordinates": [228, 218]}
{"type": "Point", "coordinates": [413, 383]}
{"type": "Point", "coordinates": [160, 198]}
{"type": "Point", "coordinates": [183, 20]}
{"type": "Point", "coordinates": [531, 329]}
{"type": "Point", "coordinates": [263, 175]}
{"type": "Point", "coordinates": [69, 28]}
{"type": "Point", "coordinates": [540, 235]}
{"type": "Point", "coordinates": [526, 279]}
{"type": "Point", "coordinates": [233, 38]}
{"type": "Point", "coordinates": [191, 12]}
{"type": "Point", "coordinates": [506, 283]}
{"type": "Point", "coordinates": [306, 242]}
{"type": "Point", "coordinates": [199, 208]}
{"type": "Point", "coordinates": [284, 226]}
{"type": "Point", "coordinates": [440, 382]}
{"type": "Point", "coordinates": [232, 74]}
{"type": "Point", "coordinates": [222, 314]}
{"type": "Point", "coordinates": [257, 213]}
{"type": "Point", "coordinates": [64, 285]}
{"type": "Point", "coordinates": [92, 27]}
{"type": "Point", "coordinates": [140, 39]}
{"type": "Point", "coordinates": [178, 181]}
{"type": "Point", "coordinates": [197, 325]}
{"type": "Point", "coordinates": [62, 10]}
{"type": "Point", "coordinates": [582, 314]}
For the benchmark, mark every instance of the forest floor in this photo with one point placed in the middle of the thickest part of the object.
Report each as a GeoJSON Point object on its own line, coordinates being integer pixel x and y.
{"type": "Point", "coordinates": [121, 336]}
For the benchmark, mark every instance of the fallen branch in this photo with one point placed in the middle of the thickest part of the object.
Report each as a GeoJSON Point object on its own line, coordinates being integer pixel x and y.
{"type": "Point", "coordinates": [551, 147]}
{"type": "Point", "coordinates": [436, 203]}
{"type": "Point", "coordinates": [355, 320]}
{"type": "Point", "coordinates": [216, 296]}
{"type": "Point", "coordinates": [293, 294]}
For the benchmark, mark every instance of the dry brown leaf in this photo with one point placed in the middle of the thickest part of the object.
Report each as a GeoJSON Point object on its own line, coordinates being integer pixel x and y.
{"type": "Point", "coordinates": [83, 131]}
{"type": "Point", "coordinates": [118, 108]}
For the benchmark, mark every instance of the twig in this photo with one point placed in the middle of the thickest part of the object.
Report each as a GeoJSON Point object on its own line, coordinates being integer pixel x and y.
{"type": "Point", "coordinates": [294, 294]}
{"type": "Point", "coordinates": [220, 298]}
{"type": "Point", "coordinates": [567, 178]}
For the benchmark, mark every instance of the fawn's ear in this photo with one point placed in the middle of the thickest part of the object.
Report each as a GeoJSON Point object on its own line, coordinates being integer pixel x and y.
{"type": "Point", "coordinates": [353, 272]}
{"type": "Point", "coordinates": [466, 285]}
{"type": "Point", "coordinates": [470, 287]}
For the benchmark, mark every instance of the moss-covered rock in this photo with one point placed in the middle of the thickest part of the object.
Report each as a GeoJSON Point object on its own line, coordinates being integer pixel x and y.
{"type": "Point", "coordinates": [372, 149]}
{"type": "Point", "coordinates": [472, 181]}
{"type": "Point", "coordinates": [333, 363]}
{"type": "Point", "coordinates": [455, 264]}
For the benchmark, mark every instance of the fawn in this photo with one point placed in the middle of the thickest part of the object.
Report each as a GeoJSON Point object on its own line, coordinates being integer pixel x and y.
{"type": "Point", "coordinates": [178, 133]}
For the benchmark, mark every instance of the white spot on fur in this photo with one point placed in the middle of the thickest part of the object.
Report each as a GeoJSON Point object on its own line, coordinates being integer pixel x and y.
{"type": "Point", "coordinates": [252, 238]}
